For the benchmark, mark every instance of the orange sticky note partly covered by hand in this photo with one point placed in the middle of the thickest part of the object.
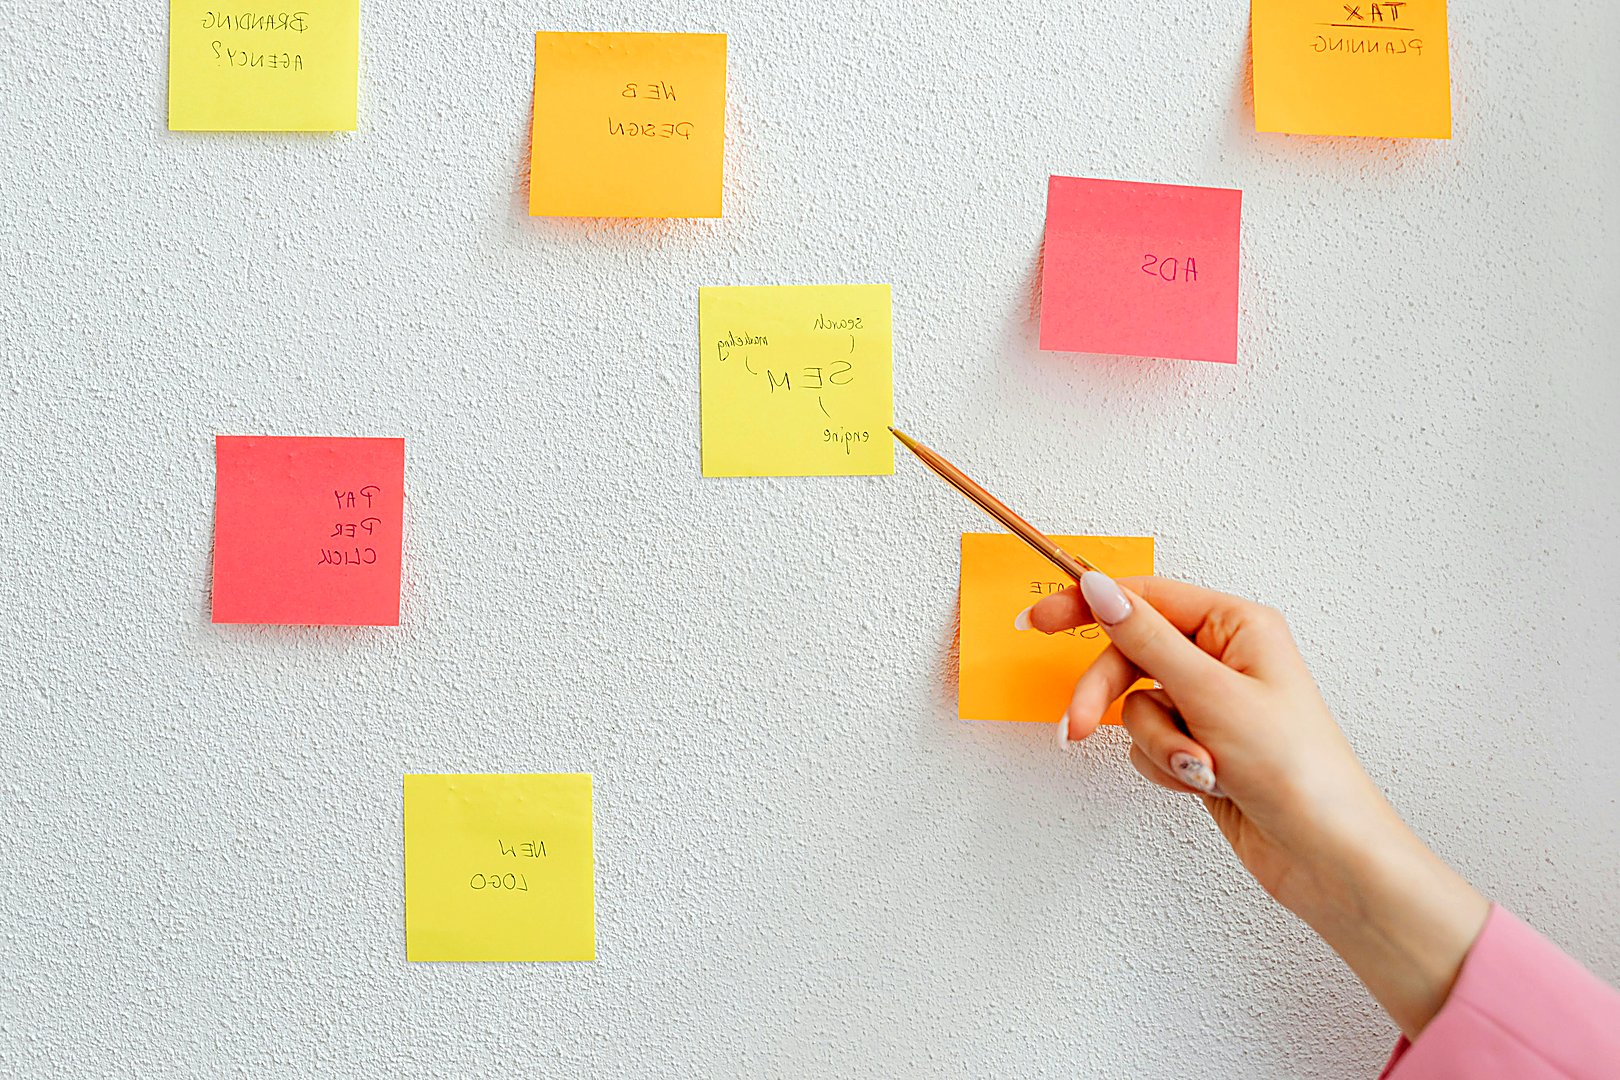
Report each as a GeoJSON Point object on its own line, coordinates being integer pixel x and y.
{"type": "Point", "coordinates": [628, 125]}
{"type": "Point", "coordinates": [308, 530]}
{"type": "Point", "coordinates": [1140, 269]}
{"type": "Point", "coordinates": [1012, 674]}
{"type": "Point", "coordinates": [499, 867]}
{"type": "Point", "coordinates": [1323, 67]}
{"type": "Point", "coordinates": [239, 68]}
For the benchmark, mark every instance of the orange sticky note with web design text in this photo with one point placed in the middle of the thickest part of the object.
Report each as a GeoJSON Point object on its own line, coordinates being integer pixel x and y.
{"type": "Point", "coordinates": [1324, 67]}
{"type": "Point", "coordinates": [628, 125]}
{"type": "Point", "coordinates": [308, 530]}
{"type": "Point", "coordinates": [1012, 674]}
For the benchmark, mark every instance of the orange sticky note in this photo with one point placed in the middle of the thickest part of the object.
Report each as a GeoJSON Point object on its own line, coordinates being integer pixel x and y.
{"type": "Point", "coordinates": [1140, 269]}
{"type": "Point", "coordinates": [628, 125]}
{"type": "Point", "coordinates": [1012, 674]}
{"type": "Point", "coordinates": [308, 530]}
{"type": "Point", "coordinates": [1323, 67]}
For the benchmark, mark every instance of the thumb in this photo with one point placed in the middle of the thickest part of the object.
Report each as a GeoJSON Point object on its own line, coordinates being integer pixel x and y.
{"type": "Point", "coordinates": [1147, 638]}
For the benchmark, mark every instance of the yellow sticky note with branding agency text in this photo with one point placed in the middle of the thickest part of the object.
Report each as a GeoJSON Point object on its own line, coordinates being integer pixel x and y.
{"type": "Point", "coordinates": [1012, 674]}
{"type": "Point", "coordinates": [796, 380]}
{"type": "Point", "coordinates": [499, 867]}
{"type": "Point", "coordinates": [628, 125]}
{"type": "Point", "coordinates": [270, 69]}
{"type": "Point", "coordinates": [1325, 67]}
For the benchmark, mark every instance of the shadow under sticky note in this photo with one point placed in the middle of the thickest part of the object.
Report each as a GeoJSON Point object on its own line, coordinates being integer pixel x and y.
{"type": "Point", "coordinates": [499, 867]}
{"type": "Point", "coordinates": [1140, 269]}
{"type": "Point", "coordinates": [1025, 675]}
{"type": "Point", "coordinates": [308, 530]}
{"type": "Point", "coordinates": [1322, 67]}
{"type": "Point", "coordinates": [264, 69]}
{"type": "Point", "coordinates": [628, 125]}
{"type": "Point", "coordinates": [796, 380]}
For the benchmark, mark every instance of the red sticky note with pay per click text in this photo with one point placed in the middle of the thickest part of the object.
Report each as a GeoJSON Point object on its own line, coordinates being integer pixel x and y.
{"type": "Point", "coordinates": [308, 530]}
{"type": "Point", "coordinates": [1140, 269]}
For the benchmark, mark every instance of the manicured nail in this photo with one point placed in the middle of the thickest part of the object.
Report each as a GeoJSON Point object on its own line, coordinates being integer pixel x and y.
{"type": "Point", "coordinates": [1108, 601]}
{"type": "Point", "coordinates": [1063, 730]}
{"type": "Point", "coordinates": [1021, 621]}
{"type": "Point", "coordinates": [1193, 772]}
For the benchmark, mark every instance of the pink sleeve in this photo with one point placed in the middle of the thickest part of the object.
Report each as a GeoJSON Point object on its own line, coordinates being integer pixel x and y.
{"type": "Point", "coordinates": [1521, 1009]}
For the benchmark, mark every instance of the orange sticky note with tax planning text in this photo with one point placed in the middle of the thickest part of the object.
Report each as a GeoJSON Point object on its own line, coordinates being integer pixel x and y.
{"type": "Point", "coordinates": [628, 125]}
{"type": "Point", "coordinates": [1325, 67]}
{"type": "Point", "coordinates": [1012, 674]}
{"type": "Point", "coordinates": [308, 530]}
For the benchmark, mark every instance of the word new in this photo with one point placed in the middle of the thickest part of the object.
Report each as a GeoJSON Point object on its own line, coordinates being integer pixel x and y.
{"type": "Point", "coordinates": [1167, 269]}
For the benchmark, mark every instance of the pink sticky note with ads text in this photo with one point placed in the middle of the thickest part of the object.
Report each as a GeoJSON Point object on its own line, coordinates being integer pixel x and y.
{"type": "Point", "coordinates": [1140, 269]}
{"type": "Point", "coordinates": [308, 530]}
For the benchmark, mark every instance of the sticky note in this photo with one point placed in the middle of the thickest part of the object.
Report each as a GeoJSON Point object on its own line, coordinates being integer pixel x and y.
{"type": "Point", "coordinates": [796, 380]}
{"type": "Point", "coordinates": [263, 69]}
{"type": "Point", "coordinates": [628, 125]}
{"type": "Point", "coordinates": [1324, 67]}
{"type": "Point", "coordinates": [499, 867]}
{"type": "Point", "coordinates": [308, 530]}
{"type": "Point", "coordinates": [1140, 269]}
{"type": "Point", "coordinates": [1012, 674]}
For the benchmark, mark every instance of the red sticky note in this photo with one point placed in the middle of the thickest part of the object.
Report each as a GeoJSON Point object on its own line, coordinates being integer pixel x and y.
{"type": "Point", "coordinates": [1140, 269]}
{"type": "Point", "coordinates": [308, 530]}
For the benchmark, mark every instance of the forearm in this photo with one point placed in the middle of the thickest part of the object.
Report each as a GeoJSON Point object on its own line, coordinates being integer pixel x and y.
{"type": "Point", "coordinates": [1399, 917]}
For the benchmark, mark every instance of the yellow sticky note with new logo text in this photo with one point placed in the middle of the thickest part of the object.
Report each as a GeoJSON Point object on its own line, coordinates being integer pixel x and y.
{"type": "Point", "coordinates": [499, 867]}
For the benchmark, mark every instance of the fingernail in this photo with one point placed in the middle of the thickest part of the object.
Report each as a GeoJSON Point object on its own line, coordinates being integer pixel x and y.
{"type": "Point", "coordinates": [1193, 772]}
{"type": "Point", "coordinates": [1108, 601]}
{"type": "Point", "coordinates": [1063, 731]}
{"type": "Point", "coordinates": [1021, 620]}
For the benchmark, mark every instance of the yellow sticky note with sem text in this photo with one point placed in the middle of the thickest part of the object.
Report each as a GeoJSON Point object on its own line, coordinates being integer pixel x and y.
{"type": "Point", "coordinates": [499, 867]}
{"type": "Point", "coordinates": [1012, 674]}
{"type": "Point", "coordinates": [1325, 67]}
{"type": "Point", "coordinates": [797, 380]}
{"type": "Point", "coordinates": [264, 70]}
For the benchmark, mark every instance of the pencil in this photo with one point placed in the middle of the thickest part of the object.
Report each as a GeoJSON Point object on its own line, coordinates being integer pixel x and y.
{"type": "Point", "coordinates": [1073, 565]}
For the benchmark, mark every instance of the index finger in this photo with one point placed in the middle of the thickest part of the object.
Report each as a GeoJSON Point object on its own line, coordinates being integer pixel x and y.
{"type": "Point", "coordinates": [1186, 606]}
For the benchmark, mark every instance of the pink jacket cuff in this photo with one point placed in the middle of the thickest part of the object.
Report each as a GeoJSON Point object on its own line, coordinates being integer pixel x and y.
{"type": "Point", "coordinates": [1520, 1009]}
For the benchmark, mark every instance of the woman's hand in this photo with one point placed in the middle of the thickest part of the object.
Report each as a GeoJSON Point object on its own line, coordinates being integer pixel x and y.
{"type": "Point", "coordinates": [1239, 721]}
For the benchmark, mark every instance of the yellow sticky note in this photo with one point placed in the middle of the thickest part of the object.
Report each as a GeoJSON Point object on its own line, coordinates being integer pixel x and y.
{"type": "Point", "coordinates": [1012, 674]}
{"type": "Point", "coordinates": [1325, 67]}
{"type": "Point", "coordinates": [797, 380]}
{"type": "Point", "coordinates": [263, 69]}
{"type": "Point", "coordinates": [628, 125]}
{"type": "Point", "coordinates": [499, 867]}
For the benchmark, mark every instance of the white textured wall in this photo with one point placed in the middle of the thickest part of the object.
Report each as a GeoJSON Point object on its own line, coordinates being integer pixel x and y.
{"type": "Point", "coordinates": [806, 866]}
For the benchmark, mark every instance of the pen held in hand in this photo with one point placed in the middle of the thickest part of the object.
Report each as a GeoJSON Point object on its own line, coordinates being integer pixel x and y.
{"type": "Point", "coordinates": [1073, 565]}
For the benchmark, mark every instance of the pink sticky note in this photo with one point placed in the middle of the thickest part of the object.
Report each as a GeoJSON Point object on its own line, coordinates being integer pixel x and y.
{"type": "Point", "coordinates": [308, 530]}
{"type": "Point", "coordinates": [1140, 269]}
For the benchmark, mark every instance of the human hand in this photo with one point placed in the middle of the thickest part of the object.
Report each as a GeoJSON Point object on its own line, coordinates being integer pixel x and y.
{"type": "Point", "coordinates": [1236, 702]}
